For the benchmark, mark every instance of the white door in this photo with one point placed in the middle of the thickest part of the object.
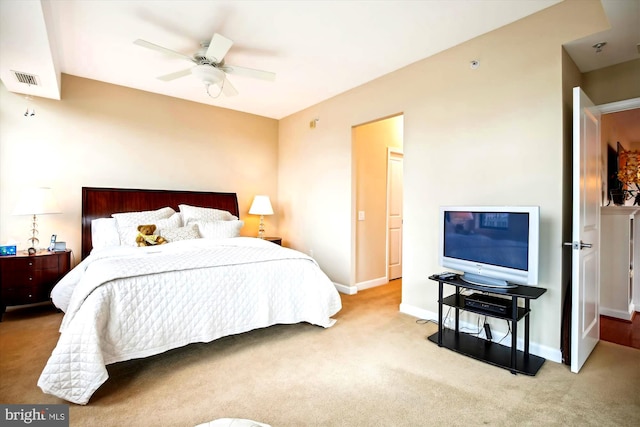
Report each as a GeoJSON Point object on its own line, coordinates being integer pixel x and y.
{"type": "Point", "coordinates": [394, 212]}
{"type": "Point", "coordinates": [585, 264]}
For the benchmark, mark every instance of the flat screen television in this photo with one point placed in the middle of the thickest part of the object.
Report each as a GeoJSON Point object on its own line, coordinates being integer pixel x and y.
{"type": "Point", "coordinates": [493, 246]}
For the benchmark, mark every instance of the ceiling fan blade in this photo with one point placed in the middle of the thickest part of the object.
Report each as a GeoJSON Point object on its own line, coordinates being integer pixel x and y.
{"type": "Point", "coordinates": [249, 72]}
{"type": "Point", "coordinates": [176, 75]}
{"type": "Point", "coordinates": [218, 48]}
{"type": "Point", "coordinates": [152, 46]}
{"type": "Point", "coordinates": [228, 89]}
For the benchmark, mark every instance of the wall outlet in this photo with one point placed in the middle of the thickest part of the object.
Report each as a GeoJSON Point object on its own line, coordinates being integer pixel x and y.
{"type": "Point", "coordinates": [360, 215]}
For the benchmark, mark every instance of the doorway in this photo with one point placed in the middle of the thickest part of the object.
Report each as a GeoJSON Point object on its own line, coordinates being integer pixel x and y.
{"type": "Point", "coordinates": [372, 144]}
{"type": "Point", "coordinates": [619, 296]}
{"type": "Point", "coordinates": [584, 325]}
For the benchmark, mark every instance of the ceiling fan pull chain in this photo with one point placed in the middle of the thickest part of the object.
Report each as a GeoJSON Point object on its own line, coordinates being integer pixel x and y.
{"type": "Point", "coordinates": [209, 93]}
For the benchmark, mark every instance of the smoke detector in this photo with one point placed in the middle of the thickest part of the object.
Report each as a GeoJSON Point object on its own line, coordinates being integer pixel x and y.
{"type": "Point", "coordinates": [598, 46]}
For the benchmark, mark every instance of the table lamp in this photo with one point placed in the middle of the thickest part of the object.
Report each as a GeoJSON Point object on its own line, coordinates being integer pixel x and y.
{"type": "Point", "coordinates": [36, 201]}
{"type": "Point", "coordinates": [261, 206]}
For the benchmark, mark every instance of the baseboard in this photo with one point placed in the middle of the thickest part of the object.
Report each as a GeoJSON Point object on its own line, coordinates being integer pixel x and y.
{"type": "Point", "coordinates": [352, 290]}
{"type": "Point", "coordinates": [552, 354]}
{"type": "Point", "coordinates": [344, 289]}
{"type": "Point", "coordinates": [618, 314]}
{"type": "Point", "coordinates": [372, 283]}
{"type": "Point", "coordinates": [418, 312]}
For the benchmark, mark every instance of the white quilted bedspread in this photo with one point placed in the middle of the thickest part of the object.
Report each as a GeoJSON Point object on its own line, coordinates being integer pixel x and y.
{"type": "Point", "coordinates": [128, 303]}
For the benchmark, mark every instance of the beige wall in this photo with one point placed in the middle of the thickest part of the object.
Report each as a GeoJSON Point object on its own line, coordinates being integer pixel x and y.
{"type": "Point", "coordinates": [614, 83]}
{"type": "Point", "coordinates": [111, 136]}
{"type": "Point", "coordinates": [622, 127]}
{"type": "Point", "coordinates": [370, 146]}
{"type": "Point", "coordinates": [488, 136]}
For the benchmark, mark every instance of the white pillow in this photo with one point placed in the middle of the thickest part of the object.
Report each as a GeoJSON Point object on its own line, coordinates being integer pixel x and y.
{"type": "Point", "coordinates": [191, 214]}
{"type": "Point", "coordinates": [220, 229]}
{"type": "Point", "coordinates": [104, 233]}
{"type": "Point", "coordinates": [131, 220]}
{"type": "Point", "coordinates": [181, 233]}
{"type": "Point", "coordinates": [174, 221]}
{"type": "Point", "coordinates": [144, 217]}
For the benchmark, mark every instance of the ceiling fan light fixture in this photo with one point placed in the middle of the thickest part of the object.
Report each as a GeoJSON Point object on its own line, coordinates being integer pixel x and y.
{"type": "Point", "coordinates": [208, 74]}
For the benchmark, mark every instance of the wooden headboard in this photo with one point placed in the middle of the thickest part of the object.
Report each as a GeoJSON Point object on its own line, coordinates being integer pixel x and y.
{"type": "Point", "coordinates": [102, 202]}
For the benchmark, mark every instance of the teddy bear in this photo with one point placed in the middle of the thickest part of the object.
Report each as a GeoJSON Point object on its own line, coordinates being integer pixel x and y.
{"type": "Point", "coordinates": [146, 237]}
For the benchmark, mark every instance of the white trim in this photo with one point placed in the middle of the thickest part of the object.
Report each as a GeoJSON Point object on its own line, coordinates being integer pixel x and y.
{"type": "Point", "coordinates": [418, 312]}
{"type": "Point", "coordinates": [618, 314]}
{"type": "Point", "coordinates": [614, 107]}
{"type": "Point", "coordinates": [372, 283]}
{"type": "Point", "coordinates": [344, 289]}
{"type": "Point", "coordinates": [550, 354]}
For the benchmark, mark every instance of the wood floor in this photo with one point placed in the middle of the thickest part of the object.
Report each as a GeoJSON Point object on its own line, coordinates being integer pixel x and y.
{"type": "Point", "coordinates": [620, 331]}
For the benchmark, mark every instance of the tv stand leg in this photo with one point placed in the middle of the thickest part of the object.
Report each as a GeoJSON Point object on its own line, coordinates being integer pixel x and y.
{"type": "Point", "coordinates": [514, 333]}
{"type": "Point", "coordinates": [440, 321]}
{"type": "Point", "coordinates": [457, 310]}
{"type": "Point", "coordinates": [526, 328]}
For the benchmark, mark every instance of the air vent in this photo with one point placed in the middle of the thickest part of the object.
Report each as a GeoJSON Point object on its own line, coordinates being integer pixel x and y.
{"type": "Point", "coordinates": [30, 79]}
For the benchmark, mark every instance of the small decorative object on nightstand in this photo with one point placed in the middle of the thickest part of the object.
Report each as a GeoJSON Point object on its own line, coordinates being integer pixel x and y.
{"type": "Point", "coordinates": [276, 240]}
{"type": "Point", "coordinates": [261, 206]}
{"type": "Point", "coordinates": [28, 279]}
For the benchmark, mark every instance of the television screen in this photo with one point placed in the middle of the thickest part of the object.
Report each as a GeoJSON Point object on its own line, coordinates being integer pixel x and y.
{"type": "Point", "coordinates": [495, 238]}
{"type": "Point", "coordinates": [492, 245]}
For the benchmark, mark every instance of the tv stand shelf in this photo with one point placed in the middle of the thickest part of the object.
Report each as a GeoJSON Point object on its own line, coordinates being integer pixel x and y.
{"type": "Point", "coordinates": [457, 301]}
{"type": "Point", "coordinates": [510, 358]}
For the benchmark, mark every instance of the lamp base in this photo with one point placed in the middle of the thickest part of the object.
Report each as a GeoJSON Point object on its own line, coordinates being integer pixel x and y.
{"type": "Point", "coordinates": [33, 239]}
{"type": "Point", "coordinates": [261, 229]}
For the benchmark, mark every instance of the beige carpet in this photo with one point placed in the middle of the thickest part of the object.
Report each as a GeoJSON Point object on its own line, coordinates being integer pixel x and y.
{"type": "Point", "coordinates": [373, 368]}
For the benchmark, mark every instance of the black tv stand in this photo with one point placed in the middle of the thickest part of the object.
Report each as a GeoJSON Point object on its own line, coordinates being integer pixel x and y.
{"type": "Point", "coordinates": [510, 358]}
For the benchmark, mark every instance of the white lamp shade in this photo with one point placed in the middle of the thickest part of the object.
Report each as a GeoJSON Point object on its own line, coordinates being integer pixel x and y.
{"type": "Point", "coordinates": [37, 201]}
{"type": "Point", "coordinates": [261, 206]}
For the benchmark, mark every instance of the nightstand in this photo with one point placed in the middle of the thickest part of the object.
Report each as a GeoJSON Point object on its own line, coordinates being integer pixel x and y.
{"type": "Point", "coordinates": [276, 240]}
{"type": "Point", "coordinates": [28, 279]}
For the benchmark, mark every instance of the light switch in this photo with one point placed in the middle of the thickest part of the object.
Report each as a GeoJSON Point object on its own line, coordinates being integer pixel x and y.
{"type": "Point", "coordinates": [360, 215]}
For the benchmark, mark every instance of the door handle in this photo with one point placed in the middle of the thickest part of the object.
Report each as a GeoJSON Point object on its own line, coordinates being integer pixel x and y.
{"type": "Point", "coordinates": [578, 245]}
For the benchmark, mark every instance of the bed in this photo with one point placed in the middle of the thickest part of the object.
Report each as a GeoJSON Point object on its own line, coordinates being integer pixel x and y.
{"type": "Point", "coordinates": [123, 302]}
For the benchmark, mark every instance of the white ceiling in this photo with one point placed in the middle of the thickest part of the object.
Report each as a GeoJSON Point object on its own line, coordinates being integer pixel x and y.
{"type": "Point", "coordinates": [318, 49]}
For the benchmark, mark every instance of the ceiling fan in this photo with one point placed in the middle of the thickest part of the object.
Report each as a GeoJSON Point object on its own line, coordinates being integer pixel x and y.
{"type": "Point", "coordinates": [210, 66]}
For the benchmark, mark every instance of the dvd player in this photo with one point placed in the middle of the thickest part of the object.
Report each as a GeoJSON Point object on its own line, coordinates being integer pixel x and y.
{"type": "Point", "coordinates": [488, 303]}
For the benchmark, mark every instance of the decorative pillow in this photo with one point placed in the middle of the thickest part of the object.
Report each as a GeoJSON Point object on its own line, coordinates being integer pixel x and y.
{"type": "Point", "coordinates": [181, 233]}
{"type": "Point", "coordinates": [104, 233]}
{"type": "Point", "coordinates": [191, 214]}
{"type": "Point", "coordinates": [174, 221]}
{"type": "Point", "coordinates": [128, 221]}
{"type": "Point", "coordinates": [220, 229]}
